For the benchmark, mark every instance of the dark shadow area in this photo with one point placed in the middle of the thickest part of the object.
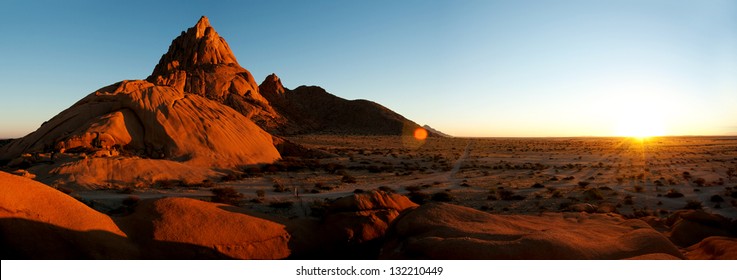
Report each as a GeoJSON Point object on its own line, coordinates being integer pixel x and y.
{"type": "Point", "coordinates": [314, 239]}
{"type": "Point", "coordinates": [31, 240]}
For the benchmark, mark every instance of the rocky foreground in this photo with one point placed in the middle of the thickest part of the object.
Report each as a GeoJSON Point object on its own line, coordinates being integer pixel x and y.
{"type": "Point", "coordinates": [39, 222]}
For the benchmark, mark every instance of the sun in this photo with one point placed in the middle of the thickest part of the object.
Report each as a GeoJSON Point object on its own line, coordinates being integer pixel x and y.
{"type": "Point", "coordinates": [640, 126]}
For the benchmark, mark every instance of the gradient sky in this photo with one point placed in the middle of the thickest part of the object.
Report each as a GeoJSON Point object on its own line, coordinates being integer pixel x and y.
{"type": "Point", "coordinates": [467, 68]}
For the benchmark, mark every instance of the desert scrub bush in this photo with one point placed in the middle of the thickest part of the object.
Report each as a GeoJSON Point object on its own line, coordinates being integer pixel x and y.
{"type": "Point", "coordinates": [700, 182]}
{"type": "Point", "coordinates": [628, 200]}
{"type": "Point", "coordinates": [323, 187]}
{"type": "Point", "coordinates": [280, 188]}
{"type": "Point", "coordinates": [348, 179]}
{"type": "Point", "coordinates": [261, 194]}
{"type": "Point", "coordinates": [319, 208]}
{"type": "Point", "coordinates": [442, 196]}
{"type": "Point", "coordinates": [232, 176]}
{"type": "Point", "coordinates": [593, 194]}
{"type": "Point", "coordinates": [537, 186]}
{"type": "Point", "coordinates": [716, 198]}
{"type": "Point", "coordinates": [281, 204]}
{"type": "Point", "coordinates": [131, 200]}
{"type": "Point", "coordinates": [417, 197]}
{"type": "Point", "coordinates": [412, 188]}
{"type": "Point", "coordinates": [126, 190]}
{"type": "Point", "coordinates": [639, 188]}
{"type": "Point", "coordinates": [227, 195]}
{"type": "Point", "coordinates": [583, 184]}
{"type": "Point", "coordinates": [67, 190]}
{"type": "Point", "coordinates": [510, 195]}
{"type": "Point", "coordinates": [672, 193]}
{"type": "Point", "coordinates": [693, 205]}
{"type": "Point", "coordinates": [168, 184]}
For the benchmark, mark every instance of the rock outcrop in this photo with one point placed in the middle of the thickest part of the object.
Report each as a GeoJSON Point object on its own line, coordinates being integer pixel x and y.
{"type": "Point", "coordinates": [228, 230]}
{"type": "Point", "coordinates": [713, 248]}
{"type": "Point", "coordinates": [353, 226]}
{"type": "Point", "coordinates": [199, 61]}
{"type": "Point", "coordinates": [311, 109]}
{"type": "Point", "coordinates": [128, 124]}
{"type": "Point", "coordinates": [38, 222]}
{"type": "Point", "coordinates": [445, 231]}
{"type": "Point", "coordinates": [688, 227]}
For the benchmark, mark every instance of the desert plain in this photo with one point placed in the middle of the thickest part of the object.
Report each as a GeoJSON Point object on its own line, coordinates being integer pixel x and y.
{"type": "Point", "coordinates": [347, 198]}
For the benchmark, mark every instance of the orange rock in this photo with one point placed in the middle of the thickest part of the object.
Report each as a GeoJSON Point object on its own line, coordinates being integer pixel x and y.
{"type": "Point", "coordinates": [156, 122]}
{"type": "Point", "coordinates": [445, 231]}
{"type": "Point", "coordinates": [228, 230]}
{"type": "Point", "coordinates": [713, 248]}
{"type": "Point", "coordinates": [38, 222]}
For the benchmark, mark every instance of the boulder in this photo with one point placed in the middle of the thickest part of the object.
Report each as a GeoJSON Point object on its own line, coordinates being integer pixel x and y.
{"type": "Point", "coordinates": [713, 248]}
{"type": "Point", "coordinates": [39, 222]}
{"type": "Point", "coordinates": [446, 231]}
{"type": "Point", "coordinates": [229, 231]}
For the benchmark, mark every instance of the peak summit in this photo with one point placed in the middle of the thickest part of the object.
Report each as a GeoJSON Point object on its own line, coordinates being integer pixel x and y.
{"type": "Point", "coordinates": [199, 61]}
{"type": "Point", "coordinates": [199, 45]}
{"type": "Point", "coordinates": [271, 85]}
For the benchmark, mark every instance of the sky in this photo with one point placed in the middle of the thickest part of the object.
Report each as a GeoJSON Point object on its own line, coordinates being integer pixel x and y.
{"type": "Point", "coordinates": [467, 68]}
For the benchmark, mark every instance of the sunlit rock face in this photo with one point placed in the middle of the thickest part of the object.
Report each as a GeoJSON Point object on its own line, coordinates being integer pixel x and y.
{"type": "Point", "coordinates": [199, 61]}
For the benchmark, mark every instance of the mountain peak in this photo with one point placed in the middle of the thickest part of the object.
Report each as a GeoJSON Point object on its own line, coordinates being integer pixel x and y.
{"type": "Point", "coordinates": [272, 85]}
{"type": "Point", "coordinates": [203, 23]}
{"type": "Point", "coordinates": [199, 45]}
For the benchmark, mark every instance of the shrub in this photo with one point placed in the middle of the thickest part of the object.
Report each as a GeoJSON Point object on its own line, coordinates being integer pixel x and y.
{"type": "Point", "coordinates": [693, 204]}
{"type": "Point", "coordinates": [126, 190]}
{"type": "Point", "coordinates": [348, 179]}
{"type": "Point", "coordinates": [261, 194]}
{"type": "Point", "coordinates": [583, 184]}
{"type": "Point", "coordinates": [442, 196]}
{"type": "Point", "coordinates": [281, 204]}
{"type": "Point", "coordinates": [672, 193]}
{"type": "Point", "coordinates": [700, 182]}
{"type": "Point", "coordinates": [593, 194]}
{"type": "Point", "coordinates": [69, 191]}
{"type": "Point", "coordinates": [412, 188]}
{"type": "Point", "coordinates": [716, 198]}
{"type": "Point", "coordinates": [417, 197]}
{"type": "Point", "coordinates": [510, 195]}
{"type": "Point", "coordinates": [131, 200]}
{"type": "Point", "coordinates": [628, 200]}
{"type": "Point", "coordinates": [557, 194]}
{"type": "Point", "coordinates": [226, 195]}
{"type": "Point", "coordinates": [229, 177]}
{"type": "Point", "coordinates": [538, 186]}
{"type": "Point", "coordinates": [318, 208]}
{"type": "Point", "coordinates": [280, 188]}
{"type": "Point", "coordinates": [639, 188]}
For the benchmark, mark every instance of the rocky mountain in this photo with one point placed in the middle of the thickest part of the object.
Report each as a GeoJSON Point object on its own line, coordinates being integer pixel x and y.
{"type": "Point", "coordinates": [122, 132]}
{"type": "Point", "coordinates": [199, 61]}
{"type": "Point", "coordinates": [435, 131]}
{"type": "Point", "coordinates": [311, 109]}
{"type": "Point", "coordinates": [197, 114]}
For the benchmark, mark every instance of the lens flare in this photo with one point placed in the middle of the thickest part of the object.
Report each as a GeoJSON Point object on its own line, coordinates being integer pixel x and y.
{"type": "Point", "coordinates": [420, 133]}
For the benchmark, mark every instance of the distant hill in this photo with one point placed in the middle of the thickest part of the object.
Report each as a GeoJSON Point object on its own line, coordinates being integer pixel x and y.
{"type": "Point", "coordinates": [435, 131]}
{"type": "Point", "coordinates": [311, 109]}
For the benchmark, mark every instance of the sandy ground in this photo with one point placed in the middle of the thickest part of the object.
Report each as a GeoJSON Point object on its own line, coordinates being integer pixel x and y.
{"type": "Point", "coordinates": [499, 175]}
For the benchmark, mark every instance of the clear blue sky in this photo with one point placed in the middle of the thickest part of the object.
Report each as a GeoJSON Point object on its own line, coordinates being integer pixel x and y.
{"type": "Point", "coordinates": [467, 68]}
